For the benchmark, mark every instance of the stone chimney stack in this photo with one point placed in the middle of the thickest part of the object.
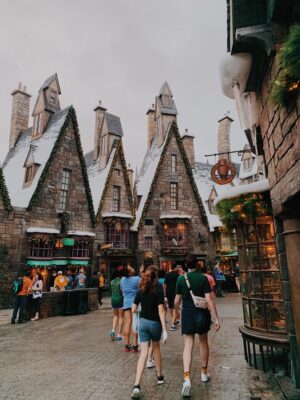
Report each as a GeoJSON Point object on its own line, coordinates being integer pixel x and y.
{"type": "Point", "coordinates": [130, 176]}
{"type": "Point", "coordinates": [151, 125]}
{"type": "Point", "coordinates": [20, 113]}
{"type": "Point", "coordinates": [99, 119]}
{"type": "Point", "coordinates": [188, 143]}
{"type": "Point", "coordinates": [224, 137]}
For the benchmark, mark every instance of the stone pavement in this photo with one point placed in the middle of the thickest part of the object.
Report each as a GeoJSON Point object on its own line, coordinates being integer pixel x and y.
{"type": "Point", "coordinates": [72, 357]}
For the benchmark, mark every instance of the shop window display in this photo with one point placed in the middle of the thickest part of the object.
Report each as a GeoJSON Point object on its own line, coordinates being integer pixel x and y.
{"type": "Point", "coordinates": [261, 288]}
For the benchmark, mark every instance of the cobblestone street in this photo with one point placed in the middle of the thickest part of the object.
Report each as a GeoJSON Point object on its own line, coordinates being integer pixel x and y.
{"type": "Point", "coordinates": [73, 358]}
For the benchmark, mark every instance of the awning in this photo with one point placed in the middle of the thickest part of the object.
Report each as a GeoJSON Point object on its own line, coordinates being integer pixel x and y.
{"type": "Point", "coordinates": [41, 263]}
{"type": "Point", "coordinates": [78, 262]}
{"type": "Point", "coordinates": [37, 229]}
{"type": "Point", "coordinates": [44, 263]}
{"type": "Point", "coordinates": [81, 233]}
{"type": "Point", "coordinates": [171, 258]}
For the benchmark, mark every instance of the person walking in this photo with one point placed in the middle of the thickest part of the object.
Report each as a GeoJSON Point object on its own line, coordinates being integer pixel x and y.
{"type": "Point", "coordinates": [20, 300]}
{"type": "Point", "coordinates": [195, 320]}
{"type": "Point", "coordinates": [129, 286]}
{"type": "Point", "coordinates": [100, 287]}
{"type": "Point", "coordinates": [152, 325]}
{"type": "Point", "coordinates": [237, 275]}
{"type": "Point", "coordinates": [220, 278]}
{"type": "Point", "coordinates": [117, 305]}
{"type": "Point", "coordinates": [37, 290]}
{"type": "Point", "coordinates": [170, 291]}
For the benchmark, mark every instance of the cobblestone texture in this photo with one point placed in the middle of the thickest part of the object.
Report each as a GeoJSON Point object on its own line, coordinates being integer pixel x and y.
{"type": "Point", "coordinates": [72, 358]}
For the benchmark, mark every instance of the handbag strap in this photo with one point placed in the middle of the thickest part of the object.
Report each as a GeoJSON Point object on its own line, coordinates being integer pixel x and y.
{"type": "Point", "coordinates": [188, 284]}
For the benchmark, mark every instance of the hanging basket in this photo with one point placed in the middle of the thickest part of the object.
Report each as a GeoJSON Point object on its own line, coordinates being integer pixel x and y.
{"type": "Point", "coordinates": [68, 241]}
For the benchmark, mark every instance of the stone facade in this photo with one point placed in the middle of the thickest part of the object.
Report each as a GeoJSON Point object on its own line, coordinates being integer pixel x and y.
{"type": "Point", "coordinates": [20, 114]}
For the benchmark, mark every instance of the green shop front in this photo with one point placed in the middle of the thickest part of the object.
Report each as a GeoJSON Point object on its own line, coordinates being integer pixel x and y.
{"type": "Point", "coordinates": [49, 251]}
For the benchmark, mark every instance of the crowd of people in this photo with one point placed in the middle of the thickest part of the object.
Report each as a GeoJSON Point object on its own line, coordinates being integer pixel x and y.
{"type": "Point", "coordinates": [140, 304]}
{"type": "Point", "coordinates": [32, 284]}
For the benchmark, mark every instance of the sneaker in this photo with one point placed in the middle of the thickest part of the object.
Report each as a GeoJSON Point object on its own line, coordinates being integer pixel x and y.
{"type": "Point", "coordinates": [173, 328]}
{"type": "Point", "coordinates": [12, 321]}
{"type": "Point", "coordinates": [128, 348]}
{"type": "Point", "coordinates": [136, 392]}
{"type": "Point", "coordinates": [118, 337]}
{"type": "Point", "coordinates": [205, 377]}
{"type": "Point", "coordinates": [186, 388]}
{"type": "Point", "coordinates": [160, 380]}
{"type": "Point", "coordinates": [177, 322]}
{"type": "Point", "coordinates": [150, 364]}
{"type": "Point", "coordinates": [135, 349]}
{"type": "Point", "coordinates": [34, 319]}
{"type": "Point", "coordinates": [112, 335]}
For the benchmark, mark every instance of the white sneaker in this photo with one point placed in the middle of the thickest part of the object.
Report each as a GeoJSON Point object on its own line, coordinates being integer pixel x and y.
{"type": "Point", "coordinates": [136, 393]}
{"type": "Point", "coordinates": [186, 388]}
{"type": "Point", "coordinates": [34, 319]}
{"type": "Point", "coordinates": [150, 364]}
{"type": "Point", "coordinates": [205, 377]}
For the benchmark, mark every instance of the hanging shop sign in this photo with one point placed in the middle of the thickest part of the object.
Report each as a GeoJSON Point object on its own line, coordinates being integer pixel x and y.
{"type": "Point", "coordinates": [223, 172]}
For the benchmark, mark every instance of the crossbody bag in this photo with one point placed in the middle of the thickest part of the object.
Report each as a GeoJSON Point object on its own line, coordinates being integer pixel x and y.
{"type": "Point", "coordinates": [199, 302]}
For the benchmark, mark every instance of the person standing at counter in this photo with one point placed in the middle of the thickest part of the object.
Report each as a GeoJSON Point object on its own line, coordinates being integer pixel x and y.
{"type": "Point", "coordinates": [37, 289]}
{"type": "Point", "coordinates": [80, 280]}
{"type": "Point", "coordinates": [60, 282]}
{"type": "Point", "coordinates": [21, 299]}
{"type": "Point", "coordinates": [70, 279]}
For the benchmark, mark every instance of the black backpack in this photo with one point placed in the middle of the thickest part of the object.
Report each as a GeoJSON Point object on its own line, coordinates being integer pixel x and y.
{"type": "Point", "coordinates": [17, 285]}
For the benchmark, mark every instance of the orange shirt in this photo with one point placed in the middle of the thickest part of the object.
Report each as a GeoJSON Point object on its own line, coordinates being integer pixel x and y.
{"type": "Point", "coordinates": [27, 285]}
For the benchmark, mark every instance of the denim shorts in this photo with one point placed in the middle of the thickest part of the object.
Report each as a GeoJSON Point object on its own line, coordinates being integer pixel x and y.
{"type": "Point", "coordinates": [194, 320]}
{"type": "Point", "coordinates": [149, 330]}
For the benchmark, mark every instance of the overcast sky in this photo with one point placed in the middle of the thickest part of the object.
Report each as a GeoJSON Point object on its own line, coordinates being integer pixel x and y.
{"type": "Point", "coordinates": [120, 51]}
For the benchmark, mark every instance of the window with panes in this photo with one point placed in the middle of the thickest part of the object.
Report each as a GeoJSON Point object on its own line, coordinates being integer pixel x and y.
{"type": "Point", "coordinates": [116, 198]}
{"type": "Point", "coordinates": [64, 189]}
{"type": "Point", "coordinates": [174, 196]}
{"type": "Point", "coordinates": [148, 242]}
{"type": "Point", "coordinates": [40, 248]}
{"type": "Point", "coordinates": [53, 96]}
{"type": "Point", "coordinates": [118, 235]}
{"type": "Point", "coordinates": [37, 128]}
{"type": "Point", "coordinates": [173, 163]}
{"type": "Point", "coordinates": [80, 249]}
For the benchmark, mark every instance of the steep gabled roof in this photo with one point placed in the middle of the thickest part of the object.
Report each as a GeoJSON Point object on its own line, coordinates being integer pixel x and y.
{"type": "Point", "coordinates": [4, 192]}
{"type": "Point", "coordinates": [114, 124]}
{"type": "Point", "coordinates": [148, 176]}
{"type": "Point", "coordinates": [99, 179]}
{"type": "Point", "coordinates": [47, 82]}
{"type": "Point", "coordinates": [45, 149]}
{"type": "Point", "coordinates": [165, 100]}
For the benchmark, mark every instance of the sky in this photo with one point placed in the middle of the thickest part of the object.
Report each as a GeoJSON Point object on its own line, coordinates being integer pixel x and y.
{"type": "Point", "coordinates": [120, 52]}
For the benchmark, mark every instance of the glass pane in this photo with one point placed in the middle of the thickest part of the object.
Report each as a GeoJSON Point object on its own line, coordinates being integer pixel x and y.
{"type": "Point", "coordinates": [275, 316]}
{"type": "Point", "coordinates": [251, 257]}
{"type": "Point", "coordinates": [265, 229]}
{"type": "Point", "coordinates": [254, 285]}
{"type": "Point", "coordinates": [258, 315]}
{"type": "Point", "coordinates": [246, 312]}
{"type": "Point", "coordinates": [250, 235]}
{"type": "Point", "coordinates": [268, 256]}
{"type": "Point", "coordinates": [244, 287]}
{"type": "Point", "coordinates": [272, 285]}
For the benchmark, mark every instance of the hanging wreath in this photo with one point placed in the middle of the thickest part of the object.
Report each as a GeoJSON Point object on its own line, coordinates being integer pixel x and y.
{"type": "Point", "coordinates": [45, 239]}
{"type": "Point", "coordinates": [286, 86]}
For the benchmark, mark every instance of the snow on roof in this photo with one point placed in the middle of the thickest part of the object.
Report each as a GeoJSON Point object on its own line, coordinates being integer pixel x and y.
{"type": "Point", "coordinates": [246, 173]}
{"type": "Point", "coordinates": [97, 178]}
{"type": "Point", "coordinates": [37, 229]}
{"type": "Point", "coordinates": [145, 178]}
{"type": "Point", "coordinates": [116, 214]}
{"type": "Point", "coordinates": [169, 216]}
{"type": "Point", "coordinates": [13, 167]}
{"type": "Point", "coordinates": [81, 233]}
{"type": "Point", "coordinates": [254, 187]}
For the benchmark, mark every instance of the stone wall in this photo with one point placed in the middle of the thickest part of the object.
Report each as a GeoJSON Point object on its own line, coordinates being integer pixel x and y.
{"type": "Point", "coordinates": [160, 204]}
{"type": "Point", "coordinates": [280, 127]}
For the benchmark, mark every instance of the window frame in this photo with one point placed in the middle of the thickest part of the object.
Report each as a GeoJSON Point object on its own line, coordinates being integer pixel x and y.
{"type": "Point", "coordinates": [148, 243]}
{"type": "Point", "coordinates": [116, 200]}
{"type": "Point", "coordinates": [173, 163]}
{"type": "Point", "coordinates": [173, 196]}
{"type": "Point", "coordinates": [119, 238]}
{"type": "Point", "coordinates": [64, 190]}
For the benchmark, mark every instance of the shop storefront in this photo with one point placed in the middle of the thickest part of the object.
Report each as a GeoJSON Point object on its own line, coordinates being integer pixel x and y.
{"type": "Point", "coordinates": [264, 331]}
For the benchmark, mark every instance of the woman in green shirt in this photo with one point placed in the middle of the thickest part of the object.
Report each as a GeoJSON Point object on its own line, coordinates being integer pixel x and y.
{"type": "Point", "coordinates": [117, 304]}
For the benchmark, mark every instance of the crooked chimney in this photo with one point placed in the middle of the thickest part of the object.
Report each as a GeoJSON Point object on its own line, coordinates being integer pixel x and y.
{"type": "Point", "coordinates": [188, 144]}
{"type": "Point", "coordinates": [130, 176]}
{"type": "Point", "coordinates": [20, 113]}
{"type": "Point", "coordinates": [151, 125]}
{"type": "Point", "coordinates": [99, 119]}
{"type": "Point", "coordinates": [224, 137]}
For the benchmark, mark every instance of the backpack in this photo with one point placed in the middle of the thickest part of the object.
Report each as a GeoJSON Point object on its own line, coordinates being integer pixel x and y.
{"type": "Point", "coordinates": [17, 285]}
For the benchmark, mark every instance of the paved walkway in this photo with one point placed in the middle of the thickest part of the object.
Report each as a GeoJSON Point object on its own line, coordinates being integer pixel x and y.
{"type": "Point", "coordinates": [72, 357]}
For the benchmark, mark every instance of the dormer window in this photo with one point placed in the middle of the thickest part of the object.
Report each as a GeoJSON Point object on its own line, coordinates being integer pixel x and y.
{"type": "Point", "coordinates": [247, 163]}
{"type": "Point", "coordinates": [37, 125]}
{"type": "Point", "coordinates": [29, 174]}
{"type": "Point", "coordinates": [53, 96]}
